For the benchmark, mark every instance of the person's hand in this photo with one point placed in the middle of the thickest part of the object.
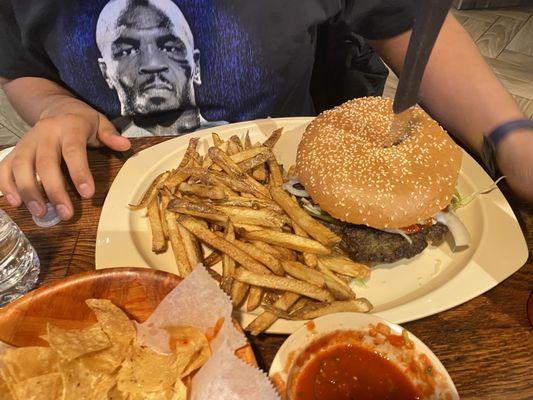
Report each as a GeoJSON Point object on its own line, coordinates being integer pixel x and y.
{"type": "Point", "coordinates": [63, 131]}
{"type": "Point", "coordinates": [515, 160]}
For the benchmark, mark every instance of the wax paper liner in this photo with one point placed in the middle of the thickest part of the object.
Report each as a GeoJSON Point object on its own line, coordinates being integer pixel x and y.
{"type": "Point", "coordinates": [226, 377]}
{"type": "Point", "coordinates": [197, 301]}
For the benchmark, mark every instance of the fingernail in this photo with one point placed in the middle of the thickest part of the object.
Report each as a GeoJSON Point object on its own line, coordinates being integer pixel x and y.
{"type": "Point", "coordinates": [12, 200]}
{"type": "Point", "coordinates": [85, 190]}
{"type": "Point", "coordinates": [63, 211]}
{"type": "Point", "coordinates": [35, 208]}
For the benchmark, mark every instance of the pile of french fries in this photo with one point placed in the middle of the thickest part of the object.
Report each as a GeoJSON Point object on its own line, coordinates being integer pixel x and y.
{"type": "Point", "coordinates": [273, 253]}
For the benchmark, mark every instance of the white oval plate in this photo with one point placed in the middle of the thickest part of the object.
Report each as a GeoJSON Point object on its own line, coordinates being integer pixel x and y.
{"type": "Point", "coordinates": [434, 281]}
{"type": "Point", "coordinates": [304, 336]}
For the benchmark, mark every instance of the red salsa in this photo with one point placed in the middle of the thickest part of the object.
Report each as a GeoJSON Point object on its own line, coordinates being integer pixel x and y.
{"type": "Point", "coordinates": [348, 371]}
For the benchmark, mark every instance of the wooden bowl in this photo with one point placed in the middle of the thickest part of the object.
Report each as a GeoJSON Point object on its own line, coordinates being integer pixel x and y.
{"type": "Point", "coordinates": [137, 291]}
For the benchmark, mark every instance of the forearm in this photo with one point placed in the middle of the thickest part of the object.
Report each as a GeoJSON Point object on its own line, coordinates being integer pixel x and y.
{"type": "Point", "coordinates": [36, 98]}
{"type": "Point", "coordinates": [458, 88]}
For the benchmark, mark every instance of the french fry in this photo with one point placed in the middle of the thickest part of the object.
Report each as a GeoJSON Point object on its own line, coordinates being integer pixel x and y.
{"type": "Point", "coordinates": [301, 303]}
{"type": "Point", "coordinates": [255, 203]}
{"type": "Point", "coordinates": [286, 254]}
{"type": "Point", "coordinates": [275, 171]}
{"type": "Point", "coordinates": [233, 148]}
{"type": "Point", "coordinates": [245, 215]}
{"type": "Point", "coordinates": [267, 248]}
{"type": "Point", "coordinates": [259, 171]}
{"type": "Point", "coordinates": [176, 177]}
{"type": "Point", "coordinates": [257, 160]}
{"type": "Point", "coordinates": [208, 163]}
{"type": "Point", "coordinates": [193, 250]}
{"type": "Point", "coordinates": [247, 227]}
{"type": "Point", "coordinates": [288, 240]}
{"type": "Point", "coordinates": [245, 156]}
{"type": "Point", "coordinates": [214, 258]}
{"type": "Point", "coordinates": [221, 244]}
{"type": "Point", "coordinates": [343, 265]}
{"type": "Point", "coordinates": [314, 228]}
{"type": "Point", "coordinates": [163, 204]}
{"type": "Point", "coordinates": [270, 296]}
{"type": "Point", "coordinates": [273, 138]}
{"type": "Point", "coordinates": [281, 283]}
{"type": "Point", "coordinates": [247, 141]}
{"type": "Point", "coordinates": [304, 273]}
{"type": "Point", "coordinates": [335, 277]}
{"type": "Point", "coordinates": [237, 141]}
{"type": "Point", "coordinates": [267, 259]}
{"type": "Point", "coordinates": [266, 319]}
{"type": "Point", "coordinates": [316, 310]}
{"type": "Point", "coordinates": [197, 209]}
{"type": "Point", "coordinates": [228, 263]}
{"type": "Point", "coordinates": [255, 295]}
{"type": "Point", "coordinates": [190, 153]}
{"type": "Point", "coordinates": [159, 243]}
{"type": "Point", "coordinates": [238, 292]}
{"type": "Point", "coordinates": [217, 141]}
{"type": "Point", "coordinates": [218, 178]}
{"type": "Point", "coordinates": [235, 172]}
{"type": "Point", "coordinates": [178, 248]}
{"type": "Point", "coordinates": [292, 170]}
{"type": "Point", "coordinates": [152, 191]}
{"type": "Point", "coordinates": [210, 192]}
{"type": "Point", "coordinates": [240, 215]}
{"type": "Point", "coordinates": [309, 258]}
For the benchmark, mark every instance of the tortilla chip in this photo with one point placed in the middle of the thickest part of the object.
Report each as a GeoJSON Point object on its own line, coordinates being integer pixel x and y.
{"type": "Point", "coordinates": [5, 390]}
{"type": "Point", "coordinates": [44, 387]}
{"type": "Point", "coordinates": [178, 392]}
{"type": "Point", "coordinates": [146, 371]}
{"type": "Point", "coordinates": [116, 394]}
{"type": "Point", "coordinates": [121, 332]}
{"type": "Point", "coordinates": [114, 322]}
{"type": "Point", "coordinates": [80, 383]}
{"type": "Point", "coordinates": [72, 343]}
{"type": "Point", "coordinates": [190, 346]}
{"type": "Point", "coordinates": [28, 362]}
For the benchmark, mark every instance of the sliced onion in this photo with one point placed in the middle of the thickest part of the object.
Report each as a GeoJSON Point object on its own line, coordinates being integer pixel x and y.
{"type": "Point", "coordinates": [398, 232]}
{"type": "Point", "coordinates": [461, 236]}
{"type": "Point", "coordinates": [289, 187]}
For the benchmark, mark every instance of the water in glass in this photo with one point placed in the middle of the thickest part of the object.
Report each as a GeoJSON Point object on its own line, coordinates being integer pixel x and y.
{"type": "Point", "coordinates": [19, 264]}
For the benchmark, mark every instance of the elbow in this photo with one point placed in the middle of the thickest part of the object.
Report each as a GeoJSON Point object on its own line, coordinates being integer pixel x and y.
{"type": "Point", "coordinates": [3, 82]}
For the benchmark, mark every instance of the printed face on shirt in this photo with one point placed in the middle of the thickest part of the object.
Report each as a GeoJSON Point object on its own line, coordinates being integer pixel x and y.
{"type": "Point", "coordinates": [148, 55]}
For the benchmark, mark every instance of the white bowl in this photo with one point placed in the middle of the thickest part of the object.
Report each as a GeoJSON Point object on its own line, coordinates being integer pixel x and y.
{"type": "Point", "coordinates": [303, 337]}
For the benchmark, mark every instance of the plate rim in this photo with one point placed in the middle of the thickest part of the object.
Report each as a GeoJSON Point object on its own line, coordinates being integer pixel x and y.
{"type": "Point", "coordinates": [406, 312]}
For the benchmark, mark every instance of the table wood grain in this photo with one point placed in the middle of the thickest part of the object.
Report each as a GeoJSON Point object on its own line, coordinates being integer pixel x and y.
{"type": "Point", "coordinates": [486, 344]}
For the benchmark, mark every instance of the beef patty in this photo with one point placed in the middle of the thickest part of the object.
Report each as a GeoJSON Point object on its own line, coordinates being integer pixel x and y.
{"type": "Point", "coordinates": [372, 246]}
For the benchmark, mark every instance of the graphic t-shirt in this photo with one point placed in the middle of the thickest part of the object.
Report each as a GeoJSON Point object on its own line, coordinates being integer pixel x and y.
{"type": "Point", "coordinates": [185, 64]}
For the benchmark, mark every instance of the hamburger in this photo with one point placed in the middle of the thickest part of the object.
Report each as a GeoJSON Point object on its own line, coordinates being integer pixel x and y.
{"type": "Point", "coordinates": [385, 193]}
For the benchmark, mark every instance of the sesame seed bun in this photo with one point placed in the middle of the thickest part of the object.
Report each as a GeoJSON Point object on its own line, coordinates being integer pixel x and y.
{"type": "Point", "coordinates": [347, 168]}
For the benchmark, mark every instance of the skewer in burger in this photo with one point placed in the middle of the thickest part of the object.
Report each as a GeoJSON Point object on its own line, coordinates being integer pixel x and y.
{"type": "Point", "coordinates": [388, 199]}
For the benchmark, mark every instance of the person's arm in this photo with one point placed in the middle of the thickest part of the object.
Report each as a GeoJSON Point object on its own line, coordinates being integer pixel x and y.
{"type": "Point", "coordinates": [62, 128]}
{"type": "Point", "coordinates": [461, 92]}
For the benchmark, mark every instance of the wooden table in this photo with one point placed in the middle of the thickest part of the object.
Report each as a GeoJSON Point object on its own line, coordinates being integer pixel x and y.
{"type": "Point", "coordinates": [486, 344]}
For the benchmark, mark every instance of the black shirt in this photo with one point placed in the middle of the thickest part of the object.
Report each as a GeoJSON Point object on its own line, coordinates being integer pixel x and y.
{"type": "Point", "coordinates": [229, 60]}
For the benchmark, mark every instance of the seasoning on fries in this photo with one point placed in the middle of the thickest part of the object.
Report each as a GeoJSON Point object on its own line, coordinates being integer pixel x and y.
{"type": "Point", "coordinates": [274, 255]}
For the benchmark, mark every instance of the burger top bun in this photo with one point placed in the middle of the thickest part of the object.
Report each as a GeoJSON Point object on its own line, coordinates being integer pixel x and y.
{"type": "Point", "coordinates": [349, 165]}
